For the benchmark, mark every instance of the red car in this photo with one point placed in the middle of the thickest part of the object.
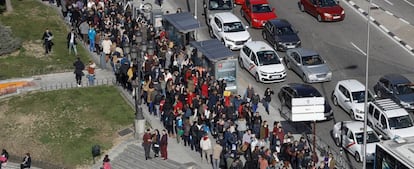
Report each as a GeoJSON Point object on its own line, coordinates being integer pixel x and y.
{"type": "Point", "coordinates": [257, 12]}
{"type": "Point", "coordinates": [323, 10]}
{"type": "Point", "coordinates": [238, 2]}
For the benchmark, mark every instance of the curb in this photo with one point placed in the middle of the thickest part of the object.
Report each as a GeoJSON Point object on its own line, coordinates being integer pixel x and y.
{"type": "Point", "coordinates": [382, 27]}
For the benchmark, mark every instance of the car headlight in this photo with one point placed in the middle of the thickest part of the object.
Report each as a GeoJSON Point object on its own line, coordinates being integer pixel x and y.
{"type": "Point", "coordinates": [263, 73]}
{"type": "Point", "coordinates": [343, 12]}
{"type": "Point", "coordinates": [228, 39]}
{"type": "Point", "coordinates": [312, 76]}
{"type": "Point", "coordinates": [327, 15]}
{"type": "Point", "coordinates": [359, 111]}
{"type": "Point", "coordinates": [329, 75]}
{"type": "Point", "coordinates": [299, 42]}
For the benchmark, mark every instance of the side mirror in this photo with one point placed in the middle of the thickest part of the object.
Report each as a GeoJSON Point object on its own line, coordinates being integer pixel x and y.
{"type": "Point", "coordinates": [247, 27]}
{"type": "Point", "coordinates": [205, 5]}
{"type": "Point", "coordinates": [380, 137]}
{"type": "Point", "coordinates": [375, 96]}
{"type": "Point", "coordinates": [347, 100]}
{"type": "Point", "coordinates": [219, 29]}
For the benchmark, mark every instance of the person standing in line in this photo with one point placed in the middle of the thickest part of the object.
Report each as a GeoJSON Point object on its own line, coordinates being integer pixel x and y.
{"type": "Point", "coordinates": [205, 145]}
{"type": "Point", "coordinates": [79, 67]}
{"type": "Point", "coordinates": [71, 38]}
{"type": "Point", "coordinates": [217, 149]}
{"type": "Point", "coordinates": [27, 161]}
{"type": "Point", "coordinates": [92, 35]}
{"type": "Point", "coordinates": [91, 72]}
{"type": "Point", "coordinates": [106, 163]}
{"type": "Point", "coordinates": [47, 40]}
{"type": "Point", "coordinates": [106, 48]}
{"type": "Point", "coordinates": [267, 98]}
{"type": "Point", "coordinates": [164, 144]}
{"type": "Point", "coordinates": [147, 142]}
{"type": "Point", "coordinates": [84, 28]}
{"type": "Point", "coordinates": [156, 138]}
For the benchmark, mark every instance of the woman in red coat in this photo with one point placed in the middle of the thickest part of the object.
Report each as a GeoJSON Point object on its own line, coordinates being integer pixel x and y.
{"type": "Point", "coordinates": [204, 89]}
{"type": "Point", "coordinates": [164, 144]}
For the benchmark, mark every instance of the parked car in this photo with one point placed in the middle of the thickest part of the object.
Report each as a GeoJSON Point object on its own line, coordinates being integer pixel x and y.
{"type": "Point", "coordinates": [280, 34]}
{"type": "Point", "coordinates": [323, 10]}
{"type": "Point", "coordinates": [308, 65]}
{"type": "Point", "coordinates": [350, 136]}
{"type": "Point", "coordinates": [257, 12]}
{"type": "Point", "coordinates": [397, 88]}
{"type": "Point", "coordinates": [216, 6]}
{"type": "Point", "coordinates": [229, 29]}
{"type": "Point", "coordinates": [298, 90]}
{"type": "Point", "coordinates": [389, 119]}
{"type": "Point", "coordinates": [260, 60]}
{"type": "Point", "coordinates": [350, 96]}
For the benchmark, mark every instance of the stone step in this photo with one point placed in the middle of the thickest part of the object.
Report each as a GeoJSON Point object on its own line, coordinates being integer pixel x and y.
{"type": "Point", "coordinates": [139, 155]}
{"type": "Point", "coordinates": [11, 165]}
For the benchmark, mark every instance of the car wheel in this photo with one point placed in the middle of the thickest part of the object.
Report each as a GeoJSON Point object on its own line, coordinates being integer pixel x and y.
{"type": "Point", "coordinates": [357, 157]}
{"type": "Point", "coordinates": [257, 77]}
{"type": "Point", "coordinates": [352, 114]}
{"type": "Point", "coordinates": [334, 100]}
{"type": "Point", "coordinates": [337, 142]}
{"type": "Point", "coordinates": [264, 35]}
{"type": "Point", "coordinates": [210, 32]}
{"type": "Point", "coordinates": [241, 12]}
{"type": "Point", "coordinates": [275, 46]}
{"type": "Point", "coordinates": [304, 78]}
{"type": "Point", "coordinates": [369, 123]}
{"type": "Point", "coordinates": [379, 94]}
{"type": "Point", "coordinates": [301, 8]}
{"type": "Point", "coordinates": [319, 17]}
{"type": "Point", "coordinates": [222, 42]}
{"type": "Point", "coordinates": [288, 64]}
{"type": "Point", "coordinates": [241, 62]}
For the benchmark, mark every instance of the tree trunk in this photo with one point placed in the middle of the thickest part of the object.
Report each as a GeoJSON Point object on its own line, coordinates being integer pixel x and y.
{"type": "Point", "coordinates": [9, 7]}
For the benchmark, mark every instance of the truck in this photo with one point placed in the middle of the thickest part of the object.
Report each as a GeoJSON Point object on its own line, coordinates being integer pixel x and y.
{"type": "Point", "coordinates": [215, 6]}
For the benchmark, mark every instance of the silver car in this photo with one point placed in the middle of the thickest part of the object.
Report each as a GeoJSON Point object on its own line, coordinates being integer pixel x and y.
{"type": "Point", "coordinates": [308, 65]}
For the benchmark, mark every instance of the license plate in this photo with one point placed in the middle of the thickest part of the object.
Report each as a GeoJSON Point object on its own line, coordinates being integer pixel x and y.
{"type": "Point", "coordinates": [291, 46]}
{"type": "Point", "coordinates": [337, 17]}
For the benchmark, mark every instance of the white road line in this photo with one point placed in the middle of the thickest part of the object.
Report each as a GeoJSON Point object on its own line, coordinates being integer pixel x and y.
{"type": "Point", "coordinates": [410, 3]}
{"type": "Point", "coordinates": [389, 13]}
{"type": "Point", "coordinates": [359, 49]}
{"type": "Point", "coordinates": [387, 1]}
{"type": "Point", "coordinates": [403, 20]}
{"type": "Point", "coordinates": [397, 38]}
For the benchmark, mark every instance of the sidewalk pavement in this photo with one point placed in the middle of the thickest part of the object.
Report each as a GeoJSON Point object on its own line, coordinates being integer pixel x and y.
{"type": "Point", "coordinates": [394, 26]}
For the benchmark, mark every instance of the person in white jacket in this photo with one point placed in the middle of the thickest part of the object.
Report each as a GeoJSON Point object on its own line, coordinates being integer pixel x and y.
{"type": "Point", "coordinates": [206, 147]}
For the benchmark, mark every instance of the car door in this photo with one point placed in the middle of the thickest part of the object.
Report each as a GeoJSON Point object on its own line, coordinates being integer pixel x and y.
{"type": "Point", "coordinates": [253, 65]}
{"type": "Point", "coordinates": [312, 6]}
{"type": "Point", "coordinates": [267, 32]}
{"type": "Point", "coordinates": [385, 130]}
{"type": "Point", "coordinates": [344, 98]}
{"type": "Point", "coordinates": [217, 28]}
{"type": "Point", "coordinates": [350, 142]}
{"type": "Point", "coordinates": [296, 63]}
{"type": "Point", "coordinates": [385, 88]}
{"type": "Point", "coordinates": [246, 57]}
{"type": "Point", "coordinates": [248, 10]}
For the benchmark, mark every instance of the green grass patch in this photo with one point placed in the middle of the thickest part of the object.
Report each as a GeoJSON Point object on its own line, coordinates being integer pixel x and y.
{"type": "Point", "coordinates": [28, 21]}
{"type": "Point", "coordinates": [61, 126]}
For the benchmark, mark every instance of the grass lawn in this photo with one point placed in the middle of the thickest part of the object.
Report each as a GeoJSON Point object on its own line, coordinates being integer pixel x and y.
{"type": "Point", "coordinates": [61, 126]}
{"type": "Point", "coordinates": [28, 21]}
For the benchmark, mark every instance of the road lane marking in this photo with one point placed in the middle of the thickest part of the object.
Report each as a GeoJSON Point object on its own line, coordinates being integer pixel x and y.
{"type": "Point", "coordinates": [384, 28]}
{"type": "Point", "coordinates": [359, 49]}
{"type": "Point", "coordinates": [403, 20]}
{"type": "Point", "coordinates": [389, 13]}
{"type": "Point", "coordinates": [387, 1]}
{"type": "Point", "coordinates": [410, 3]}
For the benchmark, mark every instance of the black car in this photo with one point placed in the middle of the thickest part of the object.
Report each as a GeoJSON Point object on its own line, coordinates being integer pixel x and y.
{"type": "Point", "coordinates": [300, 90]}
{"type": "Point", "coordinates": [397, 88]}
{"type": "Point", "coordinates": [280, 34]}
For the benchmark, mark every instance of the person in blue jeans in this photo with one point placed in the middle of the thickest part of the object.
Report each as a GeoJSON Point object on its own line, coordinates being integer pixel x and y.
{"type": "Point", "coordinates": [267, 98]}
{"type": "Point", "coordinates": [92, 35]}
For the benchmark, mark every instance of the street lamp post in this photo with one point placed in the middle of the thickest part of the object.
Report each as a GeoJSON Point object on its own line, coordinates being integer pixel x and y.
{"type": "Point", "coordinates": [139, 116]}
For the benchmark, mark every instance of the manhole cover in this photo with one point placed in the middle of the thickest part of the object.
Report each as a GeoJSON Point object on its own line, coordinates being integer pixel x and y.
{"type": "Point", "coordinates": [124, 132]}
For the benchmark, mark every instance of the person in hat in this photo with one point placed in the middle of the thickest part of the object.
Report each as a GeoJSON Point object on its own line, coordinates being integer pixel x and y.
{"type": "Point", "coordinates": [205, 145]}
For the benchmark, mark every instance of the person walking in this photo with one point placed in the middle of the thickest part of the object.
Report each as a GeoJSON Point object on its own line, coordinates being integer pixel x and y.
{"type": "Point", "coordinates": [47, 40]}
{"type": "Point", "coordinates": [267, 98]}
{"type": "Point", "coordinates": [91, 72]}
{"type": "Point", "coordinates": [71, 40]}
{"type": "Point", "coordinates": [106, 163]}
{"type": "Point", "coordinates": [156, 138]}
{"type": "Point", "coordinates": [106, 48]}
{"type": "Point", "coordinates": [27, 161]}
{"type": "Point", "coordinates": [217, 149]}
{"type": "Point", "coordinates": [92, 35]}
{"type": "Point", "coordinates": [147, 142]}
{"type": "Point", "coordinates": [205, 145]}
{"type": "Point", "coordinates": [79, 67]}
{"type": "Point", "coordinates": [164, 144]}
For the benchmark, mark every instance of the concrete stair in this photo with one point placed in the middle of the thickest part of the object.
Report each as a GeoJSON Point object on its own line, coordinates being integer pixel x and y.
{"type": "Point", "coordinates": [134, 157]}
{"type": "Point", "coordinates": [11, 165]}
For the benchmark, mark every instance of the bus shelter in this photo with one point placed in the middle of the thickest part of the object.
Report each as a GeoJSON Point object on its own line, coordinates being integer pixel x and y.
{"type": "Point", "coordinates": [180, 27]}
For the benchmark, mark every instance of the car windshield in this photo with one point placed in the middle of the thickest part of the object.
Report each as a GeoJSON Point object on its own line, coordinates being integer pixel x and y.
{"type": "Point", "coordinates": [312, 60]}
{"type": "Point", "coordinates": [268, 57]}
{"type": "Point", "coordinates": [261, 8]}
{"type": "Point", "coordinates": [327, 3]}
{"type": "Point", "coordinates": [233, 27]}
{"type": "Point", "coordinates": [403, 89]}
{"type": "Point", "coordinates": [400, 122]}
{"type": "Point", "coordinates": [359, 96]}
{"type": "Point", "coordinates": [372, 137]}
{"type": "Point", "coordinates": [308, 93]}
{"type": "Point", "coordinates": [220, 5]}
{"type": "Point", "coordinates": [285, 31]}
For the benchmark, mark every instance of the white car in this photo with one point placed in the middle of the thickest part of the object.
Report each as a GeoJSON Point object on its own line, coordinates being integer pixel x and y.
{"type": "Point", "coordinates": [350, 96]}
{"type": "Point", "coordinates": [351, 133]}
{"type": "Point", "coordinates": [262, 61]}
{"type": "Point", "coordinates": [228, 28]}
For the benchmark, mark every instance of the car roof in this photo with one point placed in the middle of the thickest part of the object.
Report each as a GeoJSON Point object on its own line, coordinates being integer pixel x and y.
{"type": "Point", "coordinates": [352, 85]}
{"type": "Point", "coordinates": [390, 108]}
{"type": "Point", "coordinates": [256, 46]}
{"type": "Point", "coordinates": [227, 17]}
{"type": "Point", "coordinates": [280, 22]}
{"type": "Point", "coordinates": [305, 52]}
{"type": "Point", "coordinates": [396, 79]}
{"type": "Point", "coordinates": [258, 2]}
{"type": "Point", "coordinates": [303, 89]}
{"type": "Point", "coordinates": [355, 126]}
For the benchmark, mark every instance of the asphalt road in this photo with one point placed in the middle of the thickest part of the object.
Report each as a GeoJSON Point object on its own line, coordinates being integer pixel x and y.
{"type": "Point", "coordinates": [343, 45]}
{"type": "Point", "coordinates": [401, 8]}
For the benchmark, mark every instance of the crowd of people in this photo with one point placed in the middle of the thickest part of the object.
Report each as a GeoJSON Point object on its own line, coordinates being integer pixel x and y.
{"type": "Point", "coordinates": [227, 130]}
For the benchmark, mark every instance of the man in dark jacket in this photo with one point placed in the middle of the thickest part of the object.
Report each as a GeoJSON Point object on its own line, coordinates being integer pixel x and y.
{"type": "Point", "coordinates": [79, 67]}
{"type": "Point", "coordinates": [71, 40]}
{"type": "Point", "coordinates": [47, 40]}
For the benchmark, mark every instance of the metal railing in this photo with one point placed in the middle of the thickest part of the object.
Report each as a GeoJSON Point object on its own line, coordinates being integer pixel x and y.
{"type": "Point", "coordinates": [33, 72]}
{"type": "Point", "coordinates": [69, 85]}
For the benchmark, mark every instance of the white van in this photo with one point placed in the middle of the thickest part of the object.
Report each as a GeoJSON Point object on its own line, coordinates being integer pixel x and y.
{"type": "Point", "coordinates": [389, 119]}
